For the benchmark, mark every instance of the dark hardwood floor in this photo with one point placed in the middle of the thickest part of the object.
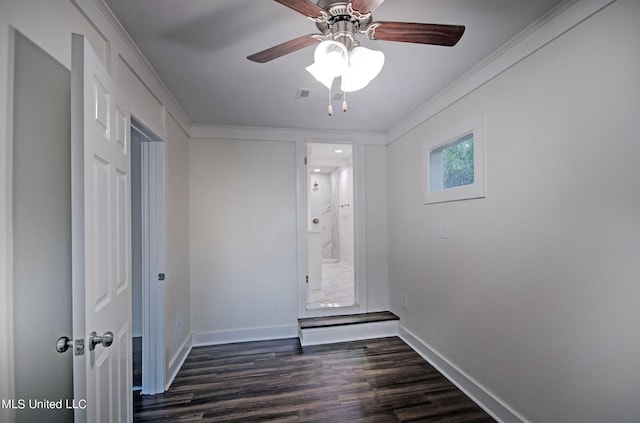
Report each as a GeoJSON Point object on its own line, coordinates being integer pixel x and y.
{"type": "Point", "coordinates": [379, 380]}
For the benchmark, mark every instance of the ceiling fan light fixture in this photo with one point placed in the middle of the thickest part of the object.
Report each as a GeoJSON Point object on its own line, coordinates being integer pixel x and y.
{"type": "Point", "coordinates": [368, 62]}
{"type": "Point", "coordinates": [332, 56]}
{"type": "Point", "coordinates": [320, 73]}
{"type": "Point", "coordinates": [351, 81]}
{"type": "Point", "coordinates": [364, 65]}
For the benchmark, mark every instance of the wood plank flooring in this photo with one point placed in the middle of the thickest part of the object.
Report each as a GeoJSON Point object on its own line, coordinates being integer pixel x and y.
{"type": "Point", "coordinates": [378, 380]}
{"type": "Point", "coordinates": [347, 319]}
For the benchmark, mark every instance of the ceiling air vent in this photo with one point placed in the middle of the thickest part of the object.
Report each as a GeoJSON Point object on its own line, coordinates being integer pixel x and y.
{"type": "Point", "coordinates": [317, 95]}
{"type": "Point", "coordinates": [303, 93]}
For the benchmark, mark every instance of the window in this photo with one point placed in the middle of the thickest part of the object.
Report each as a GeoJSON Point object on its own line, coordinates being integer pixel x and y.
{"type": "Point", "coordinates": [451, 165]}
{"type": "Point", "coordinates": [454, 168]}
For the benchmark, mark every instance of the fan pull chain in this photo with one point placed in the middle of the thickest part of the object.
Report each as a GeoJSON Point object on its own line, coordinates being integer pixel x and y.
{"type": "Point", "coordinates": [330, 108]}
{"type": "Point", "coordinates": [344, 102]}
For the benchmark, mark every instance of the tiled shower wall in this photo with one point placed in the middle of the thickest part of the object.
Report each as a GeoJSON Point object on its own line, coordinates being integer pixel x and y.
{"type": "Point", "coordinates": [323, 198]}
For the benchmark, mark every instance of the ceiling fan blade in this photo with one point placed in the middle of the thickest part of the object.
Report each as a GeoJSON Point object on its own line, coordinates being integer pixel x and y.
{"type": "Point", "coordinates": [305, 7]}
{"type": "Point", "coordinates": [285, 48]}
{"type": "Point", "coordinates": [420, 33]}
{"type": "Point", "coordinates": [365, 6]}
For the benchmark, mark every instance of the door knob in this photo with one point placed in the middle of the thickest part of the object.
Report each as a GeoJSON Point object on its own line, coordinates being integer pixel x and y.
{"type": "Point", "coordinates": [63, 344]}
{"type": "Point", "coordinates": [106, 340]}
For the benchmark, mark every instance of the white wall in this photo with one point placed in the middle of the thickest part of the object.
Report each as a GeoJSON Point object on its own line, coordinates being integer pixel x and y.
{"type": "Point", "coordinates": [534, 296]}
{"type": "Point", "coordinates": [177, 310]}
{"type": "Point", "coordinates": [243, 239]}
{"type": "Point", "coordinates": [236, 176]}
{"type": "Point", "coordinates": [376, 230]}
{"type": "Point", "coordinates": [41, 229]}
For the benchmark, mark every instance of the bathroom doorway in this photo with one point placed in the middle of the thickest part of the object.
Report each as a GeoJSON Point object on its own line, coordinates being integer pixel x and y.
{"type": "Point", "coordinates": [330, 226]}
{"type": "Point", "coordinates": [147, 259]}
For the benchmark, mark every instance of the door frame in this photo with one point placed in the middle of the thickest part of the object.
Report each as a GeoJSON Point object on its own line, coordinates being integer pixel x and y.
{"type": "Point", "coordinates": [7, 360]}
{"type": "Point", "coordinates": [359, 268]}
{"type": "Point", "coordinates": [153, 257]}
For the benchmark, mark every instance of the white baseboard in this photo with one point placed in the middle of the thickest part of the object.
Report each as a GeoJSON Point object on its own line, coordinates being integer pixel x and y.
{"type": "Point", "coordinates": [332, 334]}
{"type": "Point", "coordinates": [481, 396]}
{"type": "Point", "coordinates": [177, 361]}
{"type": "Point", "coordinates": [136, 328]}
{"type": "Point", "coordinates": [244, 335]}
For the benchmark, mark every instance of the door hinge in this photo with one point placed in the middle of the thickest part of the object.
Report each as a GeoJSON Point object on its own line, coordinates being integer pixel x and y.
{"type": "Point", "coordinates": [307, 278]}
{"type": "Point", "coordinates": [305, 161]}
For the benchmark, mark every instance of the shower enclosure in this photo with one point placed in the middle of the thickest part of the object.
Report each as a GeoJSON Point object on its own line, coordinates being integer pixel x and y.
{"type": "Point", "coordinates": [330, 225]}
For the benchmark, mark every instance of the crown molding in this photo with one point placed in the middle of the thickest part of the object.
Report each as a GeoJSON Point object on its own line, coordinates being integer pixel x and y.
{"type": "Point", "coordinates": [222, 132]}
{"type": "Point", "coordinates": [175, 110]}
{"type": "Point", "coordinates": [544, 30]}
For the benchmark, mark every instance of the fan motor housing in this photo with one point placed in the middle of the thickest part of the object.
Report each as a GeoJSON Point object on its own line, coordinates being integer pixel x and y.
{"type": "Point", "coordinates": [341, 23]}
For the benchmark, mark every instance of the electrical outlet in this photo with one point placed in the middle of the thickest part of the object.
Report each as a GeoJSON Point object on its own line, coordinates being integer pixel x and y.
{"type": "Point", "coordinates": [445, 231]}
{"type": "Point", "coordinates": [404, 301]}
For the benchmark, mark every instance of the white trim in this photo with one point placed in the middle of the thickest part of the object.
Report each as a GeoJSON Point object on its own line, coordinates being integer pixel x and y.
{"type": "Point", "coordinates": [178, 360]}
{"type": "Point", "coordinates": [153, 242]}
{"type": "Point", "coordinates": [159, 246]}
{"type": "Point", "coordinates": [162, 93]}
{"type": "Point", "coordinates": [474, 390]}
{"type": "Point", "coordinates": [360, 228]}
{"type": "Point", "coordinates": [550, 26]}
{"type": "Point", "coordinates": [136, 328]}
{"type": "Point", "coordinates": [301, 227]}
{"type": "Point", "coordinates": [244, 335]}
{"type": "Point", "coordinates": [223, 132]}
{"type": "Point", "coordinates": [77, 226]}
{"type": "Point", "coordinates": [347, 333]}
{"type": "Point", "coordinates": [7, 361]}
{"type": "Point", "coordinates": [475, 190]}
{"type": "Point", "coordinates": [359, 239]}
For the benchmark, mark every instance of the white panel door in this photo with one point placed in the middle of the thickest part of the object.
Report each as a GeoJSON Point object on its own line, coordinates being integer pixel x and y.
{"type": "Point", "coordinates": [101, 238]}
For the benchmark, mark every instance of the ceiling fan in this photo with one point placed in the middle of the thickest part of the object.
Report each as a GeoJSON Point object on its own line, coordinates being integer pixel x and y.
{"type": "Point", "coordinates": [339, 52]}
{"type": "Point", "coordinates": [343, 20]}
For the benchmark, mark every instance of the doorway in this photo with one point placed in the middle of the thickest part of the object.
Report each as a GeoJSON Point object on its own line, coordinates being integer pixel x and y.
{"type": "Point", "coordinates": [330, 226]}
{"type": "Point", "coordinates": [147, 259]}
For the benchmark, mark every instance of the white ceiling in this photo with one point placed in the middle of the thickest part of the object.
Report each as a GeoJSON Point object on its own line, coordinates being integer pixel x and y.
{"type": "Point", "coordinates": [199, 49]}
{"type": "Point", "coordinates": [326, 157]}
